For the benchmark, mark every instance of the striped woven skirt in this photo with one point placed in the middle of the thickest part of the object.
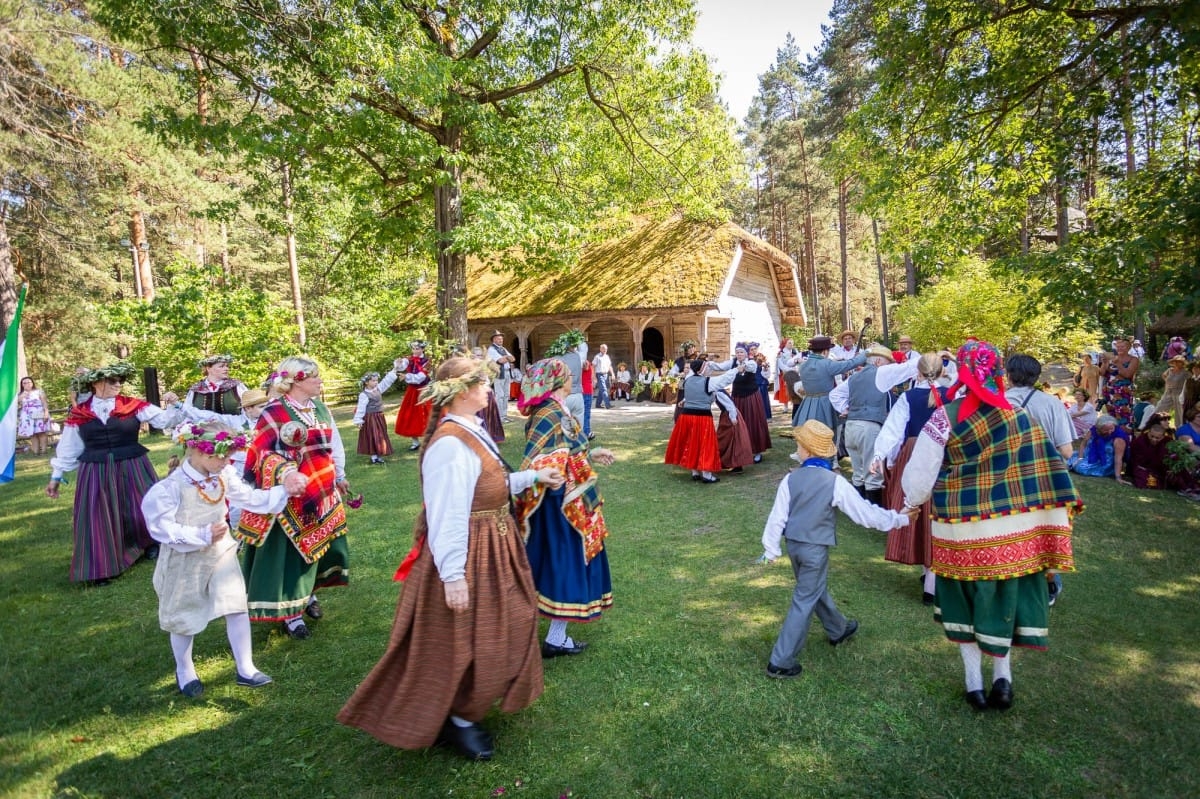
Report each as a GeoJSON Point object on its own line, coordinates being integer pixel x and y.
{"type": "Point", "coordinates": [439, 662]}
{"type": "Point", "coordinates": [750, 413]}
{"type": "Point", "coordinates": [109, 530]}
{"type": "Point", "coordinates": [373, 438]}
{"type": "Point", "coordinates": [911, 544]}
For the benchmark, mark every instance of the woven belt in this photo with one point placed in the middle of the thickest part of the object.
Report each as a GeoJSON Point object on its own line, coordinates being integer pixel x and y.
{"type": "Point", "coordinates": [499, 514]}
{"type": "Point", "coordinates": [810, 394]}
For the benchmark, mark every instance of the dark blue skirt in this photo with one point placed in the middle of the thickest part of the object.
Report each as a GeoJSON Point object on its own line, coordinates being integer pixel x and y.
{"type": "Point", "coordinates": [568, 589]}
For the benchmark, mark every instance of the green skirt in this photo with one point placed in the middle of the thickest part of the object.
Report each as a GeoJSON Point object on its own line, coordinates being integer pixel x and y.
{"type": "Point", "coordinates": [279, 582]}
{"type": "Point", "coordinates": [996, 614]}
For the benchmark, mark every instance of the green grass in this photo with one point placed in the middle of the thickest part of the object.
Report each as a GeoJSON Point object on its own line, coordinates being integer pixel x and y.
{"type": "Point", "coordinates": [671, 699]}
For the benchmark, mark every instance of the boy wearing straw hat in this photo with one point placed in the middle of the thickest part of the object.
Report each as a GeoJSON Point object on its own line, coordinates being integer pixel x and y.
{"type": "Point", "coordinates": [804, 515]}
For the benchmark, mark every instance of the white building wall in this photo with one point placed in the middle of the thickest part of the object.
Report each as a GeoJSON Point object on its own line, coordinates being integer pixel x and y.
{"type": "Point", "coordinates": [751, 305]}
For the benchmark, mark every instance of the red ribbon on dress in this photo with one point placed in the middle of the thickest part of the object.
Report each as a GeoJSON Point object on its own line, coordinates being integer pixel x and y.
{"type": "Point", "coordinates": [406, 565]}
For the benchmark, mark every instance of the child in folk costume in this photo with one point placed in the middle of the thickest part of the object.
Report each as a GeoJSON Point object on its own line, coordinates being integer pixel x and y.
{"type": "Point", "coordinates": [413, 415]}
{"type": "Point", "coordinates": [624, 383]}
{"type": "Point", "coordinates": [197, 577]}
{"type": "Point", "coordinates": [804, 515]}
{"type": "Point", "coordinates": [373, 437]}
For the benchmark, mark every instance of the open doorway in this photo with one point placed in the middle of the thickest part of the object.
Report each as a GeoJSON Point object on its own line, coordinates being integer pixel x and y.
{"type": "Point", "coordinates": [653, 348]}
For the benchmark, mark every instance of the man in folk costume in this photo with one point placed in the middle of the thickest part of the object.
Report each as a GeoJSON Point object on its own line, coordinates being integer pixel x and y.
{"type": "Point", "coordinates": [217, 395]}
{"type": "Point", "coordinates": [292, 554]}
{"type": "Point", "coordinates": [818, 373]}
{"type": "Point", "coordinates": [682, 363]}
{"type": "Point", "coordinates": [413, 416]}
{"type": "Point", "coordinates": [865, 399]}
{"type": "Point", "coordinates": [505, 363]}
{"type": "Point", "coordinates": [1002, 510]}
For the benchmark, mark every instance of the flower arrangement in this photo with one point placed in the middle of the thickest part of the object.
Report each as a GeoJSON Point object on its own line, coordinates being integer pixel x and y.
{"type": "Point", "coordinates": [210, 442]}
{"type": "Point", "coordinates": [566, 342]}
{"type": "Point", "coordinates": [1181, 459]}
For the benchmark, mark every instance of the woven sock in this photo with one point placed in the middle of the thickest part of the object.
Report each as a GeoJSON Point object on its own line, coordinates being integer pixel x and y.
{"type": "Point", "coordinates": [930, 582]}
{"type": "Point", "coordinates": [557, 634]}
{"type": "Point", "coordinates": [1002, 667]}
{"type": "Point", "coordinates": [295, 622]}
{"type": "Point", "coordinates": [972, 666]}
{"type": "Point", "coordinates": [237, 628]}
{"type": "Point", "coordinates": [185, 670]}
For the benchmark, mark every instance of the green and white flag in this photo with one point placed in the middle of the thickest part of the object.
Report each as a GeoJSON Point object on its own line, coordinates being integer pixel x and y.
{"type": "Point", "coordinates": [10, 387]}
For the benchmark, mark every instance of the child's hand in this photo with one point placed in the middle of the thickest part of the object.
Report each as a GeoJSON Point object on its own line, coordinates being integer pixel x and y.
{"type": "Point", "coordinates": [219, 529]}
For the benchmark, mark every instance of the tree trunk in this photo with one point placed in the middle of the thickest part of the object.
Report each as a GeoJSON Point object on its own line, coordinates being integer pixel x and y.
{"type": "Point", "coordinates": [910, 275]}
{"type": "Point", "coordinates": [293, 264]}
{"type": "Point", "coordinates": [10, 285]}
{"type": "Point", "coordinates": [452, 265]}
{"type": "Point", "coordinates": [144, 274]}
{"type": "Point", "coordinates": [842, 220]}
{"type": "Point", "coordinates": [883, 297]}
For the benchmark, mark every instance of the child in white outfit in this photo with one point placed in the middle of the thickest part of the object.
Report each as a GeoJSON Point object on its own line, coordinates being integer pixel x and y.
{"type": "Point", "coordinates": [197, 576]}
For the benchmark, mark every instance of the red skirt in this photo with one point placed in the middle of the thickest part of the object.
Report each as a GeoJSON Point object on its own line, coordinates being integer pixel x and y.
{"type": "Point", "coordinates": [911, 544]}
{"type": "Point", "coordinates": [413, 416]}
{"type": "Point", "coordinates": [733, 442]}
{"type": "Point", "coordinates": [754, 417]}
{"type": "Point", "coordinates": [693, 443]}
{"type": "Point", "coordinates": [373, 436]}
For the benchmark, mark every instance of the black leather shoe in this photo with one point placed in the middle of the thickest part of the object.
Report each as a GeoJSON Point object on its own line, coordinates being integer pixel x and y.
{"type": "Point", "coordinates": [552, 651]}
{"type": "Point", "coordinates": [927, 599]}
{"type": "Point", "coordinates": [695, 478]}
{"type": "Point", "coordinates": [152, 552]}
{"type": "Point", "coordinates": [847, 634]}
{"type": "Point", "coordinates": [1001, 696]}
{"type": "Point", "coordinates": [414, 447]}
{"type": "Point", "coordinates": [737, 470]}
{"type": "Point", "coordinates": [473, 743]}
{"type": "Point", "coordinates": [977, 700]}
{"type": "Point", "coordinates": [255, 680]}
{"type": "Point", "coordinates": [313, 611]}
{"type": "Point", "coordinates": [758, 458]}
{"type": "Point", "coordinates": [710, 480]}
{"type": "Point", "coordinates": [299, 632]}
{"type": "Point", "coordinates": [193, 690]}
{"type": "Point", "coordinates": [779, 673]}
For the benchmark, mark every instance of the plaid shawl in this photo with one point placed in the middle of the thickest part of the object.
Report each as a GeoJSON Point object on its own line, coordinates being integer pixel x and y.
{"type": "Point", "coordinates": [999, 462]}
{"type": "Point", "coordinates": [554, 438]}
{"type": "Point", "coordinates": [315, 518]}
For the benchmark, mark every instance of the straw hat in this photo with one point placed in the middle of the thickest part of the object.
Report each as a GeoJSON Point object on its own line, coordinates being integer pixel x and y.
{"type": "Point", "coordinates": [1178, 359]}
{"type": "Point", "coordinates": [880, 351]}
{"type": "Point", "coordinates": [904, 340]}
{"type": "Point", "coordinates": [816, 438]}
{"type": "Point", "coordinates": [845, 333]}
{"type": "Point", "coordinates": [252, 397]}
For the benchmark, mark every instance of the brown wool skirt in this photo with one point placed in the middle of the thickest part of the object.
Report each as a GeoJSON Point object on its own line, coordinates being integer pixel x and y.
{"type": "Point", "coordinates": [373, 436]}
{"type": "Point", "coordinates": [754, 417]}
{"type": "Point", "coordinates": [733, 441]}
{"type": "Point", "coordinates": [911, 544]}
{"type": "Point", "coordinates": [439, 662]}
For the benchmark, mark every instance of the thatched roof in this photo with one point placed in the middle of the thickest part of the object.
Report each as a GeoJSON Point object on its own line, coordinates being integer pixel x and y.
{"type": "Point", "coordinates": [1177, 324]}
{"type": "Point", "coordinates": [670, 263]}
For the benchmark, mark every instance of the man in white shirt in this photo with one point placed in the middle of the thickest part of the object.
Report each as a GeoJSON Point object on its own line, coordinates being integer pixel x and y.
{"type": "Point", "coordinates": [603, 366]}
{"type": "Point", "coordinates": [505, 362]}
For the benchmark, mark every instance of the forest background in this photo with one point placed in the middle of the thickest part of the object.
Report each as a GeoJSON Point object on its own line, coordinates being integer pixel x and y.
{"type": "Point", "coordinates": [233, 176]}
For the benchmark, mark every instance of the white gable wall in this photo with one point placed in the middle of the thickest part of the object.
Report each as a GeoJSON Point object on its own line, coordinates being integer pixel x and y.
{"type": "Point", "coordinates": [751, 305]}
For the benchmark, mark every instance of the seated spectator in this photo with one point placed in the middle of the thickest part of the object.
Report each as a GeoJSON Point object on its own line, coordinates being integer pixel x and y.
{"type": "Point", "coordinates": [1148, 455]}
{"type": "Point", "coordinates": [1190, 431]}
{"type": "Point", "coordinates": [1143, 409]}
{"type": "Point", "coordinates": [1102, 451]}
{"type": "Point", "coordinates": [624, 384]}
{"type": "Point", "coordinates": [1083, 415]}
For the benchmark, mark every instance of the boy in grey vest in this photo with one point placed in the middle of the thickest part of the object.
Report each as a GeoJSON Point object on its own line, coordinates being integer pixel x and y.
{"type": "Point", "coordinates": [804, 515]}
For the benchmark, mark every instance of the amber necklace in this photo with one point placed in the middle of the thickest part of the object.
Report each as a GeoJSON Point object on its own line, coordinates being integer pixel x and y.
{"type": "Point", "coordinates": [199, 484]}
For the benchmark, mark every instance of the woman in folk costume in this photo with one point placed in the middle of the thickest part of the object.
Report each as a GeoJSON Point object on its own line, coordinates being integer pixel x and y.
{"type": "Point", "coordinates": [373, 436]}
{"type": "Point", "coordinates": [748, 398]}
{"type": "Point", "coordinates": [218, 395]}
{"type": "Point", "coordinates": [563, 526]}
{"type": "Point", "coordinates": [693, 442]}
{"type": "Point", "coordinates": [1003, 507]}
{"type": "Point", "coordinates": [893, 449]}
{"type": "Point", "coordinates": [490, 417]}
{"type": "Point", "coordinates": [303, 548]}
{"type": "Point", "coordinates": [465, 633]}
{"type": "Point", "coordinates": [785, 361]}
{"type": "Point", "coordinates": [100, 439]}
{"type": "Point", "coordinates": [413, 416]}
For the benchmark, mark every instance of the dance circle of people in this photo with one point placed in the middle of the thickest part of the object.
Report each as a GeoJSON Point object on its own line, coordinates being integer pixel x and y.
{"type": "Point", "coordinates": [970, 479]}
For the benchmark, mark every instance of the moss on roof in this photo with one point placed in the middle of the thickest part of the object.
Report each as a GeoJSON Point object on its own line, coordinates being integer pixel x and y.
{"type": "Point", "coordinates": [667, 263]}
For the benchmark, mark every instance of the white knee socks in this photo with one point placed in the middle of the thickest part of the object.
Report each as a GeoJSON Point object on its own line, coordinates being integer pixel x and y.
{"type": "Point", "coordinates": [972, 666]}
{"type": "Point", "coordinates": [557, 634]}
{"type": "Point", "coordinates": [237, 628]}
{"type": "Point", "coordinates": [185, 670]}
{"type": "Point", "coordinates": [1002, 667]}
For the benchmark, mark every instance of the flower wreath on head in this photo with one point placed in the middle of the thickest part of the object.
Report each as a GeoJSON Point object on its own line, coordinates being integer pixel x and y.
{"type": "Point", "coordinates": [121, 370]}
{"type": "Point", "coordinates": [219, 442]}
{"type": "Point", "coordinates": [275, 378]}
{"type": "Point", "coordinates": [418, 343]}
{"type": "Point", "coordinates": [566, 342]}
{"type": "Point", "coordinates": [441, 392]}
{"type": "Point", "coordinates": [213, 360]}
{"type": "Point", "coordinates": [367, 378]}
{"type": "Point", "coordinates": [687, 345]}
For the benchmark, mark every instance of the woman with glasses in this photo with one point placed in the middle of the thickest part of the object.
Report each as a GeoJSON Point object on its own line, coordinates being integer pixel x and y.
{"type": "Point", "coordinates": [100, 439]}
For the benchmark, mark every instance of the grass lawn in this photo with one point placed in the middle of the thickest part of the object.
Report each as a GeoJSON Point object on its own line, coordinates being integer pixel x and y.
{"type": "Point", "coordinates": [671, 699]}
